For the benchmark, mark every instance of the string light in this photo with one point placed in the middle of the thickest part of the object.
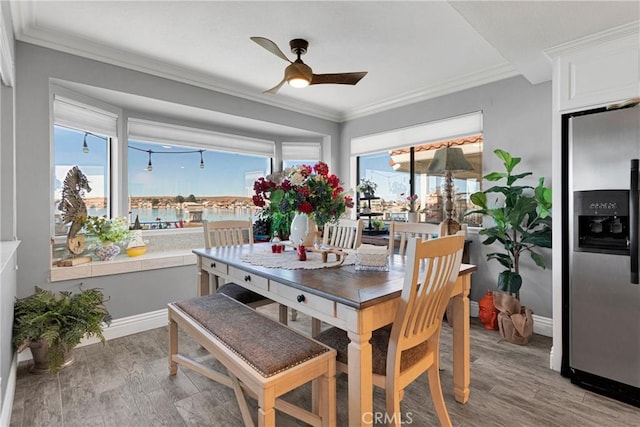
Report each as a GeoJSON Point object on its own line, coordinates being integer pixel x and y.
{"type": "Point", "coordinates": [85, 149]}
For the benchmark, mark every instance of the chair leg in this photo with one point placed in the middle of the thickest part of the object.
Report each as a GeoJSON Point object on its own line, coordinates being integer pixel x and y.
{"type": "Point", "coordinates": [436, 392]}
{"type": "Point", "coordinates": [173, 346]}
{"type": "Point", "coordinates": [393, 406]}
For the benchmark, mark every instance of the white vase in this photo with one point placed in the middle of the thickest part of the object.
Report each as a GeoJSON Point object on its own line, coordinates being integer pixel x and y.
{"type": "Point", "coordinates": [412, 216]}
{"type": "Point", "coordinates": [299, 228]}
{"type": "Point", "coordinates": [303, 230]}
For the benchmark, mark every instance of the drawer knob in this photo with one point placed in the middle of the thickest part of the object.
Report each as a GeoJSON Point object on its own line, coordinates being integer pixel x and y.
{"type": "Point", "coordinates": [213, 265]}
{"type": "Point", "coordinates": [300, 298]}
{"type": "Point", "coordinates": [247, 278]}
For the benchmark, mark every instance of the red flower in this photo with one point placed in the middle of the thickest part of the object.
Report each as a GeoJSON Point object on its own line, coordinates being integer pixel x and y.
{"type": "Point", "coordinates": [258, 201]}
{"type": "Point", "coordinates": [305, 207]}
{"type": "Point", "coordinates": [321, 168]}
{"type": "Point", "coordinates": [348, 200]}
{"type": "Point", "coordinates": [333, 180]}
{"type": "Point", "coordinates": [305, 170]}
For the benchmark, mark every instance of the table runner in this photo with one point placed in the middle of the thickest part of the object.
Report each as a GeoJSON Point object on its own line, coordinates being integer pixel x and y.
{"type": "Point", "coordinates": [288, 260]}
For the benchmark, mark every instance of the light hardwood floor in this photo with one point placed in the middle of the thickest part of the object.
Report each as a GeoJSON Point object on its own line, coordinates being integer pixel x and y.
{"type": "Point", "coordinates": [126, 383]}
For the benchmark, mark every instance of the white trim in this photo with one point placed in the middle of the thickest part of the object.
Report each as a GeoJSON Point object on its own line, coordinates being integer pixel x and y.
{"type": "Point", "coordinates": [121, 328]}
{"type": "Point", "coordinates": [475, 79]}
{"type": "Point", "coordinates": [437, 130]}
{"type": "Point", "coordinates": [7, 402]}
{"type": "Point", "coordinates": [541, 325]}
{"type": "Point", "coordinates": [612, 34]}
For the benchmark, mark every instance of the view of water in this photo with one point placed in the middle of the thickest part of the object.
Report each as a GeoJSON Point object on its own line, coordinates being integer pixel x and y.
{"type": "Point", "coordinates": [174, 215]}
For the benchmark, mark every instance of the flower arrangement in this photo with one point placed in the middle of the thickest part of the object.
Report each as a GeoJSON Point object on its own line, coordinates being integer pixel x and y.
{"type": "Point", "coordinates": [412, 199]}
{"type": "Point", "coordinates": [367, 187]}
{"type": "Point", "coordinates": [307, 189]}
{"type": "Point", "coordinates": [107, 230]}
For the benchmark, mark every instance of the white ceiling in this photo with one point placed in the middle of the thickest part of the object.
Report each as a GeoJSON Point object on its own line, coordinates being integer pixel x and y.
{"type": "Point", "coordinates": [412, 50]}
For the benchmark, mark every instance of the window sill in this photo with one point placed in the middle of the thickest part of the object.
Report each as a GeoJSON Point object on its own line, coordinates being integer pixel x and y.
{"type": "Point", "coordinates": [124, 264]}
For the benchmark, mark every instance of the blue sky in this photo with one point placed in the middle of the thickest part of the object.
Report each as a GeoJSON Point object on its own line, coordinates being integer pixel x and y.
{"type": "Point", "coordinates": [225, 174]}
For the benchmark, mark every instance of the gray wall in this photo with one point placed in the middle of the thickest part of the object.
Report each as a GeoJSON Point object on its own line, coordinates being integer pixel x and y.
{"type": "Point", "coordinates": [132, 293]}
{"type": "Point", "coordinates": [516, 118]}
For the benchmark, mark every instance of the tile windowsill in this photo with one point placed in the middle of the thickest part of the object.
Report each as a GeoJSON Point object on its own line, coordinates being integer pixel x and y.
{"type": "Point", "coordinates": [124, 264]}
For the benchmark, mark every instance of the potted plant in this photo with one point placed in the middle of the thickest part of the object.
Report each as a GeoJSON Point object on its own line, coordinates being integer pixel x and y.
{"type": "Point", "coordinates": [52, 325]}
{"type": "Point", "coordinates": [109, 231]}
{"type": "Point", "coordinates": [367, 187]}
{"type": "Point", "coordinates": [522, 223]}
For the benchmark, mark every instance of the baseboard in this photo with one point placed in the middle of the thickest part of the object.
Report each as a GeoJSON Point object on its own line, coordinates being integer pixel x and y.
{"type": "Point", "coordinates": [120, 328]}
{"type": "Point", "coordinates": [541, 325]}
{"type": "Point", "coordinates": [7, 402]}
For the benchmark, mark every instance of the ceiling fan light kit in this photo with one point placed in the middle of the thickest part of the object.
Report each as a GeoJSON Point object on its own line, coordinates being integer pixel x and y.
{"type": "Point", "coordinates": [298, 74]}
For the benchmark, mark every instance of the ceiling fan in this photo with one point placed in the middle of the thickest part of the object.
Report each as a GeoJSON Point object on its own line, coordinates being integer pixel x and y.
{"type": "Point", "coordinates": [298, 74]}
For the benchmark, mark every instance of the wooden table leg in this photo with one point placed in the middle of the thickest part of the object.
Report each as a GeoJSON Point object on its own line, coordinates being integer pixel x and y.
{"type": "Point", "coordinates": [461, 351]}
{"type": "Point", "coordinates": [359, 354]}
{"type": "Point", "coordinates": [203, 280]}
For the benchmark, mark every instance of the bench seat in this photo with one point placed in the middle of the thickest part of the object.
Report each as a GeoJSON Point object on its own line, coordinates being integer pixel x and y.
{"type": "Point", "coordinates": [263, 357]}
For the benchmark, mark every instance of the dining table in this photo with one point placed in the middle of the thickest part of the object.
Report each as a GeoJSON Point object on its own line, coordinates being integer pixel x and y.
{"type": "Point", "coordinates": [342, 295]}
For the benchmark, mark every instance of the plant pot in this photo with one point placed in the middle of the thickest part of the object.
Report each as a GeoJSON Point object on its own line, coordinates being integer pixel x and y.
{"type": "Point", "coordinates": [40, 353]}
{"type": "Point", "coordinates": [515, 321]}
{"type": "Point", "coordinates": [107, 252]}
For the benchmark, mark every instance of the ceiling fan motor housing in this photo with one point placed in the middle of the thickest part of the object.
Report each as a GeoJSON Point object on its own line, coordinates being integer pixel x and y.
{"type": "Point", "coordinates": [298, 46]}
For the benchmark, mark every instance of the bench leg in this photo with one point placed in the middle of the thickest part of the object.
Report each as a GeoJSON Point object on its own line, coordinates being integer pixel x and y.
{"type": "Point", "coordinates": [323, 397]}
{"type": "Point", "coordinates": [242, 403]}
{"type": "Point", "coordinates": [266, 408]}
{"type": "Point", "coordinates": [173, 346]}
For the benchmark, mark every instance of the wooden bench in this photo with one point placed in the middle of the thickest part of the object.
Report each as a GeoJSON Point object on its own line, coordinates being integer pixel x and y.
{"type": "Point", "coordinates": [263, 358]}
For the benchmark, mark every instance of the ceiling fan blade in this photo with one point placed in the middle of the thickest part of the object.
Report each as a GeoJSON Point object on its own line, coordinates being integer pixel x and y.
{"type": "Point", "coordinates": [276, 88]}
{"type": "Point", "coordinates": [270, 46]}
{"type": "Point", "coordinates": [338, 78]}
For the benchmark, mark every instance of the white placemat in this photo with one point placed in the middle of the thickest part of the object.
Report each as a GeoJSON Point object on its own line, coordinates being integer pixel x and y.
{"type": "Point", "coordinates": [288, 260]}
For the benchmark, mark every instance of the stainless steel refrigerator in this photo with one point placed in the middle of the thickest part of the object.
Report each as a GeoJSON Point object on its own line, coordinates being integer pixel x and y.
{"type": "Point", "coordinates": [601, 294]}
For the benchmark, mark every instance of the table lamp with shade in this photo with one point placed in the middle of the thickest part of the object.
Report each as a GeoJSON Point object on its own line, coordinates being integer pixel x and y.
{"type": "Point", "coordinates": [445, 162]}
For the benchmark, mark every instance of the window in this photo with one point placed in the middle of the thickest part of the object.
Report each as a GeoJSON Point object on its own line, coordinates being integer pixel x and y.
{"type": "Point", "coordinates": [195, 174]}
{"type": "Point", "coordinates": [189, 184]}
{"type": "Point", "coordinates": [82, 136]}
{"type": "Point", "coordinates": [392, 172]}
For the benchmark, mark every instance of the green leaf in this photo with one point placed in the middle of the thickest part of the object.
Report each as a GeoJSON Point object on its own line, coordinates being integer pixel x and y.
{"type": "Point", "coordinates": [479, 199]}
{"type": "Point", "coordinates": [503, 259]}
{"type": "Point", "coordinates": [495, 176]}
{"type": "Point", "coordinates": [538, 259]}
{"type": "Point", "coordinates": [510, 282]}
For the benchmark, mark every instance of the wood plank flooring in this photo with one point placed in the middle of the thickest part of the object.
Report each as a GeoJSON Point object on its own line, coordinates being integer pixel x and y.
{"type": "Point", "coordinates": [126, 383]}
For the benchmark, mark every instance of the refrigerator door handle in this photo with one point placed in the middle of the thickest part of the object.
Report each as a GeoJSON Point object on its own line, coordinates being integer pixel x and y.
{"type": "Point", "coordinates": [633, 220]}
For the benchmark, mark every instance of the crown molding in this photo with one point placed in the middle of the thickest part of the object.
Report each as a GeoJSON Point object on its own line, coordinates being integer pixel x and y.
{"type": "Point", "coordinates": [631, 29]}
{"type": "Point", "coordinates": [477, 78]}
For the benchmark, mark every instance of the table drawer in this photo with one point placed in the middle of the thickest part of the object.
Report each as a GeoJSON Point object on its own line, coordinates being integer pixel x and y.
{"type": "Point", "coordinates": [240, 276]}
{"type": "Point", "coordinates": [215, 267]}
{"type": "Point", "coordinates": [299, 298]}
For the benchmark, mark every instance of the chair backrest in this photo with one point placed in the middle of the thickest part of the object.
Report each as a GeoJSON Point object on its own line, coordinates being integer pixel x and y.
{"type": "Point", "coordinates": [431, 272]}
{"type": "Point", "coordinates": [345, 234]}
{"type": "Point", "coordinates": [406, 230]}
{"type": "Point", "coordinates": [227, 233]}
